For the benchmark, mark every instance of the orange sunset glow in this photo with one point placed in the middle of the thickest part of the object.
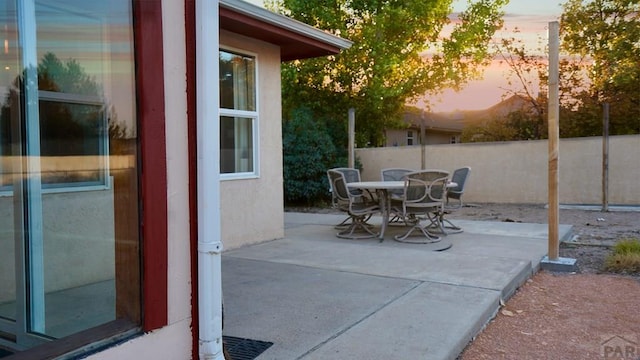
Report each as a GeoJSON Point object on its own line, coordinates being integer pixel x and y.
{"type": "Point", "coordinates": [532, 19]}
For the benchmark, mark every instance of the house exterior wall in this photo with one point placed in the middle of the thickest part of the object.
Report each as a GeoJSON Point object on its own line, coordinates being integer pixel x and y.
{"type": "Point", "coordinates": [398, 137]}
{"type": "Point", "coordinates": [436, 137]}
{"type": "Point", "coordinates": [173, 341]}
{"type": "Point", "coordinates": [249, 212]}
{"type": "Point", "coordinates": [253, 209]}
{"type": "Point", "coordinates": [516, 172]}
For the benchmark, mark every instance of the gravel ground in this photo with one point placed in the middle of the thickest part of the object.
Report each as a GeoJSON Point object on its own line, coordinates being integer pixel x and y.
{"type": "Point", "coordinates": [594, 232]}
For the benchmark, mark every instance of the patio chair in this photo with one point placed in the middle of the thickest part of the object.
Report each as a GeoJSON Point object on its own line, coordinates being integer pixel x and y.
{"type": "Point", "coordinates": [359, 205]}
{"type": "Point", "coordinates": [459, 177]}
{"type": "Point", "coordinates": [423, 196]}
{"type": "Point", "coordinates": [444, 225]}
{"type": "Point", "coordinates": [394, 174]}
{"type": "Point", "coordinates": [351, 175]}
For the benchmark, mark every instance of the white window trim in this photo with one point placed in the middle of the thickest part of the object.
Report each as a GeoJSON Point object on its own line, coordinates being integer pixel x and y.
{"type": "Point", "coordinates": [253, 115]}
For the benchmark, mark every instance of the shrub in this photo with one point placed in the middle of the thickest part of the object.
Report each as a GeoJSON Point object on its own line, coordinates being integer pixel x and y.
{"type": "Point", "coordinates": [308, 152]}
{"type": "Point", "coordinates": [625, 257]}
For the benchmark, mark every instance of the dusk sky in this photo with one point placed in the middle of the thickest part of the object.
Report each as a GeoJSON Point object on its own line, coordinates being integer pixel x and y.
{"type": "Point", "coordinates": [532, 18]}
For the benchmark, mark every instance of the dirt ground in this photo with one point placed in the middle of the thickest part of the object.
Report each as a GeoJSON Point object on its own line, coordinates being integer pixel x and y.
{"type": "Point", "coordinates": [585, 315]}
{"type": "Point", "coordinates": [594, 232]}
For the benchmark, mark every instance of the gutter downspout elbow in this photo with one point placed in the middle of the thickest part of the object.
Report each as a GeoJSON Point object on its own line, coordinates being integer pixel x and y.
{"type": "Point", "coordinates": [210, 301]}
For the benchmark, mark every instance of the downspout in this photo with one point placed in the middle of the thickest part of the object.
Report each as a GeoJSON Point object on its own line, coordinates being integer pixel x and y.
{"type": "Point", "coordinates": [208, 178]}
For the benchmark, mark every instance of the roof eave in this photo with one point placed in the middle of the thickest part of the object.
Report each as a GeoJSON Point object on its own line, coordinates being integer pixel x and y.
{"type": "Point", "coordinates": [296, 39]}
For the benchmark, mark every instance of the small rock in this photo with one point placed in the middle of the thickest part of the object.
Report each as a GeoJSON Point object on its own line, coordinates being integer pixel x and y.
{"type": "Point", "coordinates": [506, 312]}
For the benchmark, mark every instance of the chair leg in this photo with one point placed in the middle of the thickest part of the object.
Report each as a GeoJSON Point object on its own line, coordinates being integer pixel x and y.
{"type": "Point", "coordinates": [358, 225]}
{"type": "Point", "coordinates": [344, 224]}
{"type": "Point", "coordinates": [430, 238]}
{"type": "Point", "coordinates": [347, 223]}
{"type": "Point", "coordinates": [438, 224]}
{"type": "Point", "coordinates": [455, 229]}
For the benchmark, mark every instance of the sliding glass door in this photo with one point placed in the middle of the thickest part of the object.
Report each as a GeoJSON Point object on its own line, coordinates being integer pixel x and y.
{"type": "Point", "coordinates": [69, 247]}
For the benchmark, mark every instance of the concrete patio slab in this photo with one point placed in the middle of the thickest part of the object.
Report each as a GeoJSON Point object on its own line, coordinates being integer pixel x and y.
{"type": "Point", "coordinates": [394, 333]}
{"type": "Point", "coordinates": [316, 296]}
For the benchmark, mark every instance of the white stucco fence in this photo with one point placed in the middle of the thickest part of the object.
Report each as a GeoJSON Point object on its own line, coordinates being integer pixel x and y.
{"type": "Point", "coordinates": [516, 171]}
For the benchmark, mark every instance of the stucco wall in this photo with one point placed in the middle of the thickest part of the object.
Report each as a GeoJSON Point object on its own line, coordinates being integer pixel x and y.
{"type": "Point", "coordinates": [516, 172]}
{"type": "Point", "coordinates": [253, 209]}
{"type": "Point", "coordinates": [174, 340]}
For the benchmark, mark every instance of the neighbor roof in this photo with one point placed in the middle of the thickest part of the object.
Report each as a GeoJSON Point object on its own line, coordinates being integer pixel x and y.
{"type": "Point", "coordinates": [297, 40]}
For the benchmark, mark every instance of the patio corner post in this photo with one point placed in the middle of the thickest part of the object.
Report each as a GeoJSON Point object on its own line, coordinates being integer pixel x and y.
{"type": "Point", "coordinates": [553, 114]}
{"type": "Point", "coordinates": [352, 137]}
{"type": "Point", "coordinates": [605, 157]}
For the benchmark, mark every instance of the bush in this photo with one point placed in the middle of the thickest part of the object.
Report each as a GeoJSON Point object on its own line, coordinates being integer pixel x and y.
{"type": "Point", "coordinates": [308, 152]}
{"type": "Point", "coordinates": [625, 257]}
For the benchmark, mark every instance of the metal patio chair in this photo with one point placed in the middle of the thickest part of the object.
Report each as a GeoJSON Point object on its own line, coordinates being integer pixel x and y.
{"type": "Point", "coordinates": [423, 197]}
{"type": "Point", "coordinates": [443, 224]}
{"type": "Point", "coordinates": [394, 174]}
{"type": "Point", "coordinates": [360, 206]}
{"type": "Point", "coordinates": [351, 175]}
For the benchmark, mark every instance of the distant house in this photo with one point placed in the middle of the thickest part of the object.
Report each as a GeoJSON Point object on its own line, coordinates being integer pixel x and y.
{"type": "Point", "coordinates": [426, 128]}
{"type": "Point", "coordinates": [447, 127]}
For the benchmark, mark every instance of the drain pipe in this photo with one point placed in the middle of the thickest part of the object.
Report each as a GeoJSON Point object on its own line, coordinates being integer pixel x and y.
{"type": "Point", "coordinates": [208, 179]}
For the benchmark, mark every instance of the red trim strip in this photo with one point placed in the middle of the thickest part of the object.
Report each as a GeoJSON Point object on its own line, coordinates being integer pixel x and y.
{"type": "Point", "coordinates": [153, 168]}
{"type": "Point", "coordinates": [190, 41]}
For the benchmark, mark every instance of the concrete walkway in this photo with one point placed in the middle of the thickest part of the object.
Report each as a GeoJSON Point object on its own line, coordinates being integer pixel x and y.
{"type": "Point", "coordinates": [316, 296]}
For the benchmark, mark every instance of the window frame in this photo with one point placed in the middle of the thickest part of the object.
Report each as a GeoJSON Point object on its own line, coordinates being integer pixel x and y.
{"type": "Point", "coordinates": [410, 138]}
{"type": "Point", "coordinates": [253, 115]}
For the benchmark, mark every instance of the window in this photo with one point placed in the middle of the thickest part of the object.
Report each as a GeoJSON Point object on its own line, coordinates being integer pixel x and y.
{"type": "Point", "coordinates": [68, 120]}
{"type": "Point", "coordinates": [410, 137]}
{"type": "Point", "coordinates": [454, 139]}
{"type": "Point", "coordinates": [238, 115]}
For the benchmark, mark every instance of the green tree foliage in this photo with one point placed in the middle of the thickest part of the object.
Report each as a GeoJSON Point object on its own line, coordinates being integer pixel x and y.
{"type": "Point", "coordinates": [308, 152]}
{"type": "Point", "coordinates": [607, 32]}
{"type": "Point", "coordinates": [63, 125]}
{"type": "Point", "coordinates": [69, 77]}
{"type": "Point", "coordinates": [599, 63]}
{"type": "Point", "coordinates": [401, 50]}
{"type": "Point", "coordinates": [496, 129]}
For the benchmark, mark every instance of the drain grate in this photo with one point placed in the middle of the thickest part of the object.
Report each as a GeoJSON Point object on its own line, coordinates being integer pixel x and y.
{"type": "Point", "coordinates": [4, 353]}
{"type": "Point", "coordinates": [244, 349]}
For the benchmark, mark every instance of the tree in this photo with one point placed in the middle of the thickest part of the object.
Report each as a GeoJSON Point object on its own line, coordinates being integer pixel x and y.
{"type": "Point", "coordinates": [63, 125]}
{"type": "Point", "coordinates": [400, 51]}
{"type": "Point", "coordinates": [527, 77]}
{"type": "Point", "coordinates": [601, 45]}
{"type": "Point", "coordinates": [608, 33]}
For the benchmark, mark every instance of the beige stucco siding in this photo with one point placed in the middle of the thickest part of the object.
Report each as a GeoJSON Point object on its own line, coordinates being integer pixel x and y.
{"type": "Point", "coordinates": [516, 171]}
{"type": "Point", "coordinates": [253, 209]}
{"type": "Point", "coordinates": [174, 340]}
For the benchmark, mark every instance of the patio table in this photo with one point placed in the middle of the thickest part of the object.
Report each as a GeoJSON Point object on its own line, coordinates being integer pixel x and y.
{"type": "Point", "coordinates": [382, 190]}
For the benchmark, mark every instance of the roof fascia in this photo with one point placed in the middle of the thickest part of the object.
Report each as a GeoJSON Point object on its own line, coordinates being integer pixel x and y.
{"type": "Point", "coordinates": [284, 22]}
